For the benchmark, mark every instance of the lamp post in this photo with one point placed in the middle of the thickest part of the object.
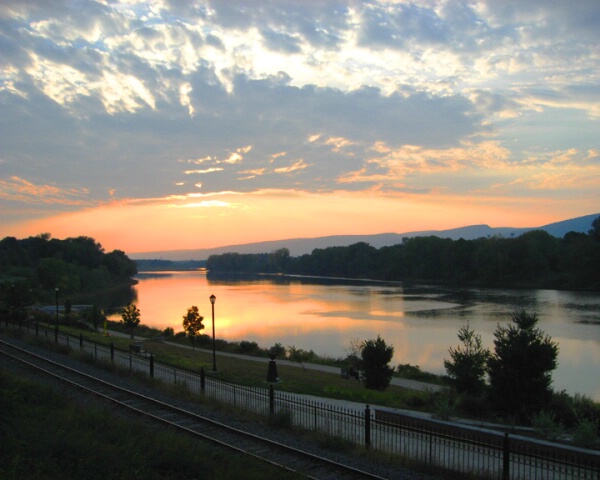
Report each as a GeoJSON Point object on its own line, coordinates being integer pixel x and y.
{"type": "Point", "coordinates": [212, 303]}
{"type": "Point", "coordinates": [56, 325]}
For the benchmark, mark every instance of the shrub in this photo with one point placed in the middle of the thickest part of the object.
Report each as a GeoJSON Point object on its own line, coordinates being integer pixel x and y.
{"type": "Point", "coordinates": [585, 434]}
{"type": "Point", "coordinates": [520, 369]}
{"type": "Point", "coordinates": [444, 408]}
{"type": "Point", "coordinates": [467, 366]}
{"type": "Point", "coordinates": [545, 424]}
{"type": "Point", "coordinates": [473, 405]}
{"type": "Point", "coordinates": [248, 348]}
{"type": "Point", "coordinates": [376, 356]}
{"type": "Point", "coordinates": [414, 372]}
{"type": "Point", "coordinates": [168, 332]}
{"type": "Point", "coordinates": [278, 350]}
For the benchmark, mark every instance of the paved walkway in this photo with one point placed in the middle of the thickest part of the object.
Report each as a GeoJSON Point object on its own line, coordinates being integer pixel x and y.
{"type": "Point", "coordinates": [400, 382]}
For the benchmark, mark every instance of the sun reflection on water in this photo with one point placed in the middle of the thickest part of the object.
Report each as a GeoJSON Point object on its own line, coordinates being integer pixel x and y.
{"type": "Point", "coordinates": [421, 324]}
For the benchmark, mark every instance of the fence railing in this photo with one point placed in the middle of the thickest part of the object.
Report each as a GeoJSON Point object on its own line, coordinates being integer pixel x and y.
{"type": "Point", "coordinates": [485, 453]}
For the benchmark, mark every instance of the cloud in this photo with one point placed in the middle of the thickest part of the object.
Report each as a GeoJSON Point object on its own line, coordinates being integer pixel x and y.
{"type": "Point", "coordinates": [16, 189]}
{"type": "Point", "coordinates": [390, 165]}
{"type": "Point", "coordinates": [107, 101]}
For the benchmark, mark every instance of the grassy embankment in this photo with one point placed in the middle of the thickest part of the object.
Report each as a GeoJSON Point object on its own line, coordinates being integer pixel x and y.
{"type": "Point", "coordinates": [46, 435]}
{"type": "Point", "coordinates": [253, 372]}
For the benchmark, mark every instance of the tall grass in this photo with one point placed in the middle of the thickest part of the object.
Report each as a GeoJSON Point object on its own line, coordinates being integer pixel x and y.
{"type": "Point", "coordinates": [44, 435]}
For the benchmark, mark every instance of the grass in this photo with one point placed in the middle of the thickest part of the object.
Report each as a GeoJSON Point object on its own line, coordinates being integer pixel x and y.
{"type": "Point", "coordinates": [47, 436]}
{"type": "Point", "coordinates": [293, 379]}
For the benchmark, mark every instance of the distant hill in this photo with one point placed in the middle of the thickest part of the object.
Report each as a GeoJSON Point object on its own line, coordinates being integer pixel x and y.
{"type": "Point", "coordinates": [301, 246]}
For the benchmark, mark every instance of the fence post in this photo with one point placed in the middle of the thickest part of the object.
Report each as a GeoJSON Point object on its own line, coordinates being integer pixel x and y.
{"type": "Point", "coordinates": [506, 458]}
{"type": "Point", "coordinates": [202, 379]}
{"type": "Point", "coordinates": [112, 352]}
{"type": "Point", "coordinates": [81, 341]}
{"type": "Point", "coordinates": [37, 329]}
{"type": "Point", "coordinates": [271, 400]}
{"type": "Point", "coordinates": [367, 427]}
{"type": "Point", "coordinates": [151, 365]}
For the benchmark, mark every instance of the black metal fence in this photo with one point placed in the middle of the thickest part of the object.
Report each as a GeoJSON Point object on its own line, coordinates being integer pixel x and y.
{"type": "Point", "coordinates": [485, 453]}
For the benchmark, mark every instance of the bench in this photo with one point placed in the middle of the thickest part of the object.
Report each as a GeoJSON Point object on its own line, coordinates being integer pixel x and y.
{"type": "Point", "coordinates": [137, 347]}
{"type": "Point", "coordinates": [350, 373]}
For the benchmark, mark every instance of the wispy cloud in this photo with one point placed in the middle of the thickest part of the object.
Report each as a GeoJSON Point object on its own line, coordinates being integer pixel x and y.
{"type": "Point", "coordinates": [145, 101]}
{"type": "Point", "coordinates": [16, 189]}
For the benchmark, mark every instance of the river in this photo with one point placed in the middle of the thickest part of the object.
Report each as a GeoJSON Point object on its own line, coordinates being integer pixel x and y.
{"type": "Point", "coordinates": [421, 322]}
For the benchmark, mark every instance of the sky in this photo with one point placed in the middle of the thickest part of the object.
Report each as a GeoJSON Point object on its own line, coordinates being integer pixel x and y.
{"type": "Point", "coordinates": [170, 124]}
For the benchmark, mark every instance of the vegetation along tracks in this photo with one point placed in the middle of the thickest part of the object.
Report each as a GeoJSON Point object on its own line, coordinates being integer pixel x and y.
{"type": "Point", "coordinates": [267, 450]}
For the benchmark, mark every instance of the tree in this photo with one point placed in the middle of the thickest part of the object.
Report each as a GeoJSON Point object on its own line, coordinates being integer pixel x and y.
{"type": "Point", "coordinates": [192, 324]}
{"type": "Point", "coordinates": [376, 356]}
{"type": "Point", "coordinates": [278, 260]}
{"type": "Point", "coordinates": [298, 355]}
{"type": "Point", "coordinates": [96, 316]}
{"type": "Point", "coordinates": [467, 366]}
{"type": "Point", "coordinates": [131, 317]}
{"type": "Point", "coordinates": [595, 230]}
{"type": "Point", "coordinates": [68, 309]}
{"type": "Point", "coordinates": [520, 369]}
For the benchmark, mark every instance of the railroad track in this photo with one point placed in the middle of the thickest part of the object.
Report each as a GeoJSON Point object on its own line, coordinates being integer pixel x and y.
{"type": "Point", "coordinates": [267, 450]}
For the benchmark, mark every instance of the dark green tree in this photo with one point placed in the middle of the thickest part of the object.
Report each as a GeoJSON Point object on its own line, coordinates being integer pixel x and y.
{"type": "Point", "coordinates": [131, 317]}
{"type": "Point", "coordinates": [595, 230]}
{"type": "Point", "coordinates": [299, 355]}
{"type": "Point", "coordinates": [96, 316]}
{"type": "Point", "coordinates": [192, 324]}
{"type": "Point", "coordinates": [520, 369]}
{"type": "Point", "coordinates": [68, 309]}
{"type": "Point", "coordinates": [278, 260]}
{"type": "Point", "coordinates": [376, 356]}
{"type": "Point", "coordinates": [468, 363]}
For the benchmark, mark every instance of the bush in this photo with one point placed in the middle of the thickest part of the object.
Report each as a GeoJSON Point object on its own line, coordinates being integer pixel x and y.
{"type": "Point", "coordinates": [585, 434]}
{"type": "Point", "coordinates": [248, 348]}
{"type": "Point", "coordinates": [473, 405]}
{"type": "Point", "coordinates": [376, 356]}
{"type": "Point", "coordinates": [444, 408]}
{"type": "Point", "coordinates": [545, 424]}
{"type": "Point", "coordinates": [414, 372]}
{"type": "Point", "coordinates": [277, 350]}
{"type": "Point", "coordinates": [563, 407]}
{"type": "Point", "coordinates": [520, 369]}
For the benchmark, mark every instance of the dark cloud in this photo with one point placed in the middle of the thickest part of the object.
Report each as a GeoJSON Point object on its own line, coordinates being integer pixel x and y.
{"type": "Point", "coordinates": [281, 42]}
{"type": "Point", "coordinates": [109, 96]}
{"type": "Point", "coordinates": [405, 23]}
{"type": "Point", "coordinates": [320, 23]}
{"type": "Point", "coordinates": [552, 18]}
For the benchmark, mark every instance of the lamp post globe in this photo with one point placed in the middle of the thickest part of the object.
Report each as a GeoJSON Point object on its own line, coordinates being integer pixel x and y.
{"type": "Point", "coordinates": [212, 303]}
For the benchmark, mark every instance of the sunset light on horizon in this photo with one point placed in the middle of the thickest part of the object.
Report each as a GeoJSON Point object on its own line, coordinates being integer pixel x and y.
{"type": "Point", "coordinates": [163, 125]}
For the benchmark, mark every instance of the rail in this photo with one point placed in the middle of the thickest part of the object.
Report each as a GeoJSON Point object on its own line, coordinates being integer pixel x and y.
{"type": "Point", "coordinates": [485, 453]}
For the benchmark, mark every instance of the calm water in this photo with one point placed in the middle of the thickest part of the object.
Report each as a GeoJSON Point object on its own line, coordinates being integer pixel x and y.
{"type": "Point", "coordinates": [421, 322]}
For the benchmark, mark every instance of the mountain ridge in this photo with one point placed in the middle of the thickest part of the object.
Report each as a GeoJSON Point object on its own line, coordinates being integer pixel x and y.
{"type": "Point", "coordinates": [301, 246]}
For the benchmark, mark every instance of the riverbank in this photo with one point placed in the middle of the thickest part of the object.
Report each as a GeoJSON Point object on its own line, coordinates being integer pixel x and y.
{"type": "Point", "coordinates": [397, 381]}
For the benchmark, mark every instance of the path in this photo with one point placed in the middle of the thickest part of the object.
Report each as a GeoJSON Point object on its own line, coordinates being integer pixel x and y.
{"type": "Point", "coordinates": [400, 382]}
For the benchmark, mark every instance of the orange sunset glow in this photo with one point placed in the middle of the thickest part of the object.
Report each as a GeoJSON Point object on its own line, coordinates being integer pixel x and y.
{"type": "Point", "coordinates": [150, 126]}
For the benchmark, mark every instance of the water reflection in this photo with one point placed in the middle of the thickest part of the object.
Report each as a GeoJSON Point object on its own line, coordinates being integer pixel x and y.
{"type": "Point", "coordinates": [421, 322]}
